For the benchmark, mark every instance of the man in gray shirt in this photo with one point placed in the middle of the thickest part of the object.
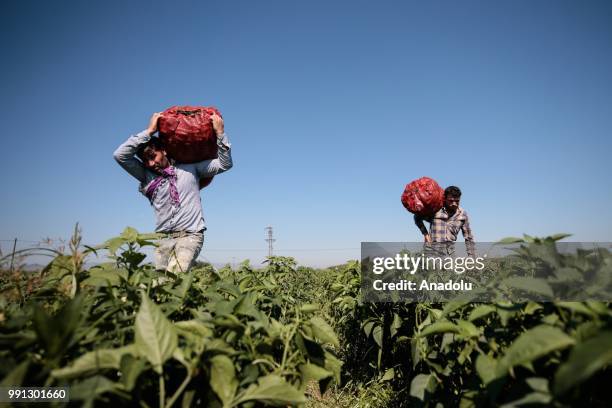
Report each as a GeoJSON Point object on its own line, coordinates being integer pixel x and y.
{"type": "Point", "coordinates": [173, 191]}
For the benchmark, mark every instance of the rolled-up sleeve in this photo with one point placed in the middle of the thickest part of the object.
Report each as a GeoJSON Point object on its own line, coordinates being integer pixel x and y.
{"type": "Point", "coordinates": [222, 163]}
{"type": "Point", "coordinates": [124, 155]}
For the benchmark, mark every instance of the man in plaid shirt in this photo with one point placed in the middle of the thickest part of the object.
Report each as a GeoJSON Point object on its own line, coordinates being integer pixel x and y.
{"type": "Point", "coordinates": [446, 223]}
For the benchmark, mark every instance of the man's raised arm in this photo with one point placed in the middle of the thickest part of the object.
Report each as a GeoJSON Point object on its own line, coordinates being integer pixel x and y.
{"type": "Point", "coordinates": [224, 160]}
{"type": "Point", "coordinates": [124, 155]}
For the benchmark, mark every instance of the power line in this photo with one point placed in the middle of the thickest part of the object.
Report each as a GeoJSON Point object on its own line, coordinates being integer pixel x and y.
{"type": "Point", "coordinates": [22, 240]}
{"type": "Point", "coordinates": [276, 250]}
{"type": "Point", "coordinates": [270, 247]}
{"type": "Point", "coordinates": [317, 249]}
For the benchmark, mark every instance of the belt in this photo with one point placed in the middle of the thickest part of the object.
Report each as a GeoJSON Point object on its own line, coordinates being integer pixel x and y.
{"type": "Point", "coordinates": [181, 234]}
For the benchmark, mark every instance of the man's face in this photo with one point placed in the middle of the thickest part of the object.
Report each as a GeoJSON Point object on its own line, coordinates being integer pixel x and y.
{"type": "Point", "coordinates": [451, 203]}
{"type": "Point", "coordinates": [156, 160]}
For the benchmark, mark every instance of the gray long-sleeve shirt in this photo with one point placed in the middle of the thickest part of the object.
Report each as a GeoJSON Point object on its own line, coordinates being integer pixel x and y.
{"type": "Point", "coordinates": [187, 215]}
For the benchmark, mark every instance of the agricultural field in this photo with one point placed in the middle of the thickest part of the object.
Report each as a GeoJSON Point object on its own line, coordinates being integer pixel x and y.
{"type": "Point", "coordinates": [124, 334]}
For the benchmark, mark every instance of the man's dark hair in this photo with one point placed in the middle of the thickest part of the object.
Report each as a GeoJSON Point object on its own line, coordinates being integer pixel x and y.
{"type": "Point", "coordinates": [151, 146]}
{"type": "Point", "coordinates": [452, 191]}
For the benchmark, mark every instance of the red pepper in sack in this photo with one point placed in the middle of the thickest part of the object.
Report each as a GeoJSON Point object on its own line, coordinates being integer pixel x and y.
{"type": "Point", "coordinates": [188, 135]}
{"type": "Point", "coordinates": [423, 197]}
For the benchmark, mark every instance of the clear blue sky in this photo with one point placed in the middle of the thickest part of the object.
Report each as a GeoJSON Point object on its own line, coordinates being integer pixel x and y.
{"type": "Point", "coordinates": [331, 107]}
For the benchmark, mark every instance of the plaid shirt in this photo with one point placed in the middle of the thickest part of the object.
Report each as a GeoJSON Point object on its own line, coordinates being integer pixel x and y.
{"type": "Point", "coordinates": [446, 229]}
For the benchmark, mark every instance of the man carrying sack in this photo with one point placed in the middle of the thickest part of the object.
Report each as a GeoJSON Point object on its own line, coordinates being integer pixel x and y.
{"type": "Point", "coordinates": [446, 224]}
{"type": "Point", "coordinates": [173, 191]}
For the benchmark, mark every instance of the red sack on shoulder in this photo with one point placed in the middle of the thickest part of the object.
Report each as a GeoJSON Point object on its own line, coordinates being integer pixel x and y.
{"type": "Point", "coordinates": [188, 135]}
{"type": "Point", "coordinates": [423, 197]}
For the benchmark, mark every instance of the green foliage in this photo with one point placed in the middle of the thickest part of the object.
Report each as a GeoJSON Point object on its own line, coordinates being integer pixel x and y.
{"type": "Point", "coordinates": [585, 360]}
{"type": "Point", "coordinates": [121, 332]}
{"type": "Point", "coordinates": [531, 345]}
{"type": "Point", "coordinates": [155, 337]}
{"type": "Point", "coordinates": [473, 354]}
{"type": "Point", "coordinates": [272, 390]}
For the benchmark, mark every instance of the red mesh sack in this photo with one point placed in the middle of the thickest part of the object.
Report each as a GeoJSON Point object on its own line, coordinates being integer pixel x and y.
{"type": "Point", "coordinates": [188, 135]}
{"type": "Point", "coordinates": [423, 197]}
